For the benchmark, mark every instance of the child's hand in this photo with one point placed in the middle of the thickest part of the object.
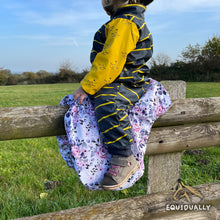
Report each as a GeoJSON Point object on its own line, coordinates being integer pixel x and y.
{"type": "Point", "coordinates": [79, 93]}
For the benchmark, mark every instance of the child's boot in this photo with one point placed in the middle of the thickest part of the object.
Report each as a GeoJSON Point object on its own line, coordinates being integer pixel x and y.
{"type": "Point", "coordinates": [122, 168]}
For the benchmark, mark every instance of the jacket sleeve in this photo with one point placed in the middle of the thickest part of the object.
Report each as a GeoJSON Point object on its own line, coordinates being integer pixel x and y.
{"type": "Point", "coordinates": [121, 38]}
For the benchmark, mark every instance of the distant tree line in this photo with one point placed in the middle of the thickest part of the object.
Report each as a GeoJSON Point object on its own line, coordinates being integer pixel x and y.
{"type": "Point", "coordinates": [196, 63]}
{"type": "Point", "coordinates": [65, 75]}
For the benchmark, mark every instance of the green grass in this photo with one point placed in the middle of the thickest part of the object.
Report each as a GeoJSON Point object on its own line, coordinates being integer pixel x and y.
{"type": "Point", "coordinates": [201, 167]}
{"type": "Point", "coordinates": [202, 89]}
{"type": "Point", "coordinates": [34, 95]}
{"type": "Point", "coordinates": [26, 165]}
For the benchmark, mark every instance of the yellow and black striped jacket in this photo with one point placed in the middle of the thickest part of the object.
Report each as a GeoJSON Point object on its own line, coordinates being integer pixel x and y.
{"type": "Point", "coordinates": [121, 48]}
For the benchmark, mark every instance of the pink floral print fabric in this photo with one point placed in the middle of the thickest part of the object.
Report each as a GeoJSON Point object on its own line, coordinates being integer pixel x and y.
{"type": "Point", "coordinates": [82, 147]}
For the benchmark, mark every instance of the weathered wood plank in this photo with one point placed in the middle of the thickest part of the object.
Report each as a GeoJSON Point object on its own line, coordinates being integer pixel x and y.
{"type": "Point", "coordinates": [31, 122]}
{"type": "Point", "coordinates": [213, 214]}
{"type": "Point", "coordinates": [143, 207]}
{"type": "Point", "coordinates": [180, 138]}
{"type": "Point", "coordinates": [42, 121]}
{"type": "Point", "coordinates": [164, 170]}
{"type": "Point", "coordinates": [162, 140]}
{"type": "Point", "coordinates": [185, 111]}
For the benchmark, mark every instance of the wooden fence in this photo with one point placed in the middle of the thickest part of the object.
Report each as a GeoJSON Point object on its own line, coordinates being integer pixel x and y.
{"type": "Point", "coordinates": [189, 124]}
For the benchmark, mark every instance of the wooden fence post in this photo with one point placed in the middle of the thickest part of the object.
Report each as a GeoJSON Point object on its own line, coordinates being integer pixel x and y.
{"type": "Point", "coordinates": [164, 169]}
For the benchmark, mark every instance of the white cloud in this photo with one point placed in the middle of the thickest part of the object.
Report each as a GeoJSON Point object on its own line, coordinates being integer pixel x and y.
{"type": "Point", "coordinates": [13, 5]}
{"type": "Point", "coordinates": [56, 14]}
{"type": "Point", "coordinates": [187, 5]}
{"type": "Point", "coordinates": [215, 17]}
{"type": "Point", "coordinates": [33, 37]}
{"type": "Point", "coordinates": [62, 41]}
{"type": "Point", "coordinates": [161, 27]}
{"type": "Point", "coordinates": [65, 18]}
{"type": "Point", "coordinates": [45, 39]}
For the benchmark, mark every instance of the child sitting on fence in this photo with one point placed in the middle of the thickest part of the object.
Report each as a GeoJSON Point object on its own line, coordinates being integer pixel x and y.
{"type": "Point", "coordinates": [117, 80]}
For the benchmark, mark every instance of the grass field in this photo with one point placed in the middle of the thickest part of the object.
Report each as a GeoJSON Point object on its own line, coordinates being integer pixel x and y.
{"type": "Point", "coordinates": [34, 178]}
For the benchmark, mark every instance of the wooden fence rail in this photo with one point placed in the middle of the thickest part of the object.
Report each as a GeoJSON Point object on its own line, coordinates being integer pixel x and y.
{"type": "Point", "coordinates": [148, 207]}
{"type": "Point", "coordinates": [189, 124]}
{"type": "Point", "coordinates": [41, 121]}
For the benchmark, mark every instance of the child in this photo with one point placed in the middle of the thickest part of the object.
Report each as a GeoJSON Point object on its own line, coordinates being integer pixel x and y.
{"type": "Point", "coordinates": [117, 80]}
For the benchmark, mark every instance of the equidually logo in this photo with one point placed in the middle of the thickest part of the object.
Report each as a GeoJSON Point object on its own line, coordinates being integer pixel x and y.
{"type": "Point", "coordinates": [184, 199]}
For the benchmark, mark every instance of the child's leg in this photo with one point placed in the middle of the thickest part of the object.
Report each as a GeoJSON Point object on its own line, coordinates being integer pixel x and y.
{"type": "Point", "coordinates": [110, 104]}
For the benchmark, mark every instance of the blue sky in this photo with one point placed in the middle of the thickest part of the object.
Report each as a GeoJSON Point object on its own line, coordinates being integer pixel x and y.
{"type": "Point", "coordinates": [43, 34]}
